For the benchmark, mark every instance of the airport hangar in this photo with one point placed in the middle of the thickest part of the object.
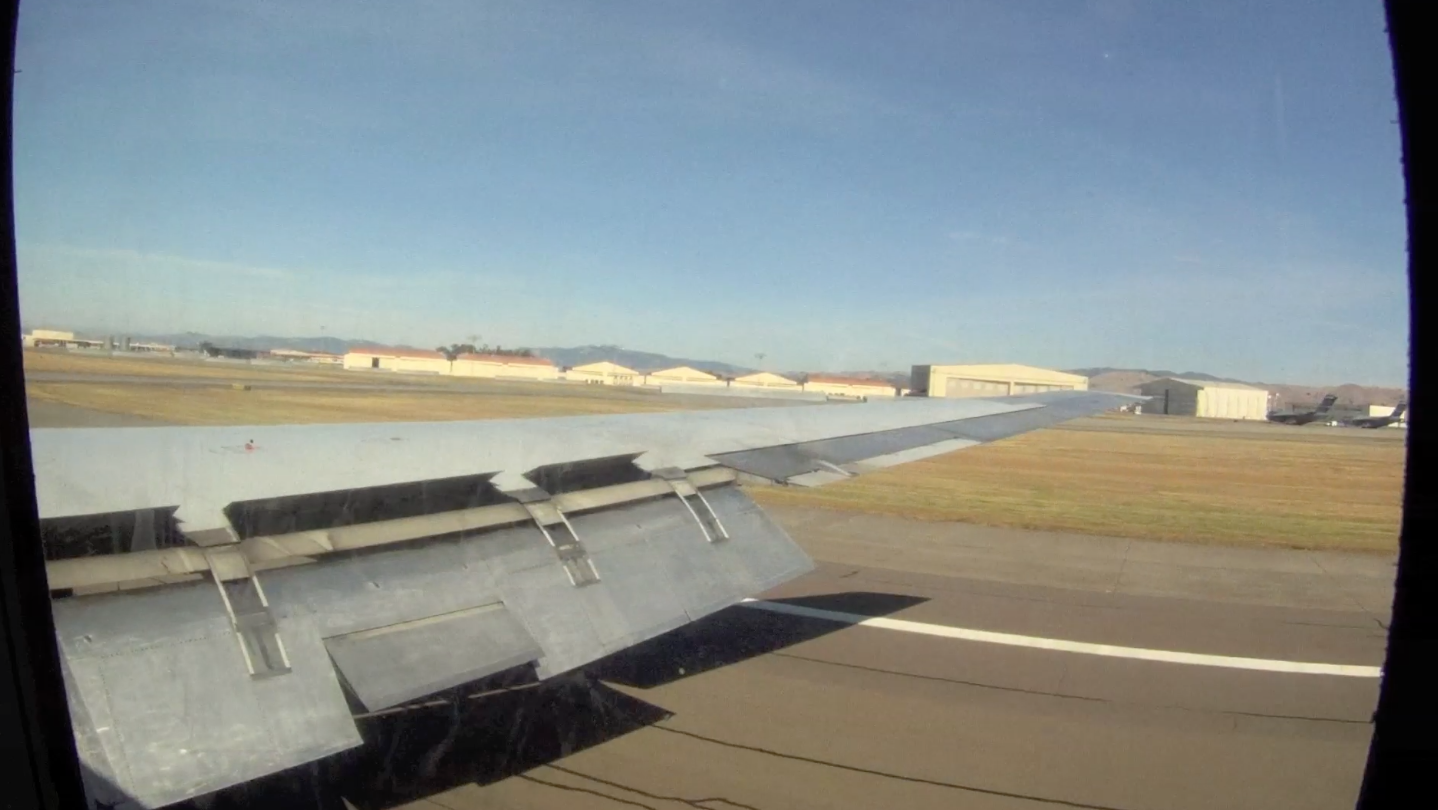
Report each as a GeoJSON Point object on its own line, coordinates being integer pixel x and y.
{"type": "Point", "coordinates": [991, 380]}
{"type": "Point", "coordinates": [1177, 396]}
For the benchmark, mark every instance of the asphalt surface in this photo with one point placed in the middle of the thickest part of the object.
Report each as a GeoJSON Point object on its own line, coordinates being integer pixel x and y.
{"type": "Point", "coordinates": [752, 709]}
{"type": "Point", "coordinates": [59, 415]}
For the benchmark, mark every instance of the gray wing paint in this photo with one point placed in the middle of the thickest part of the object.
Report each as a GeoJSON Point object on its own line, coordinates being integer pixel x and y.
{"type": "Point", "coordinates": [185, 688]}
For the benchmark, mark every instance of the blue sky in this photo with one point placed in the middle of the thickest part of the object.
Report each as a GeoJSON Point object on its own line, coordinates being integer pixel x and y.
{"type": "Point", "coordinates": [837, 185]}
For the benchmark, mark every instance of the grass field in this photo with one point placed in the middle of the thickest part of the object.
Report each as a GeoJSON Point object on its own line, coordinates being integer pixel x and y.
{"type": "Point", "coordinates": [1144, 477]}
{"type": "Point", "coordinates": [277, 406]}
{"type": "Point", "coordinates": [69, 363]}
{"type": "Point", "coordinates": [1298, 487]}
{"type": "Point", "coordinates": [164, 366]}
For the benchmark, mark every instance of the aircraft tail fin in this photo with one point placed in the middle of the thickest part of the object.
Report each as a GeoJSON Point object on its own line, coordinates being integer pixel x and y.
{"type": "Point", "coordinates": [1326, 404]}
{"type": "Point", "coordinates": [1401, 407]}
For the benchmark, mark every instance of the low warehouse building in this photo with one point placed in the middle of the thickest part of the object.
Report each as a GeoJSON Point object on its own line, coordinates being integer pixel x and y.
{"type": "Point", "coordinates": [1218, 400]}
{"type": "Point", "coordinates": [387, 359]}
{"type": "Point", "coordinates": [991, 380]}
{"type": "Point", "coordinates": [765, 379]}
{"type": "Point", "coordinates": [297, 356]}
{"type": "Point", "coordinates": [682, 375]}
{"type": "Point", "coordinates": [504, 366]}
{"type": "Point", "coordinates": [604, 373]}
{"type": "Point", "coordinates": [54, 338]}
{"type": "Point", "coordinates": [855, 387]}
{"type": "Point", "coordinates": [160, 348]}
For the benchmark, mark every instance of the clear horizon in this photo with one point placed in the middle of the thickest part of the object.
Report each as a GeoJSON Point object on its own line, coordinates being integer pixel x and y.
{"type": "Point", "coordinates": [836, 185]}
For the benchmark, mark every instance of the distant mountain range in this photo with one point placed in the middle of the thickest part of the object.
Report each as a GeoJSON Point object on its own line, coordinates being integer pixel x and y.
{"type": "Point", "coordinates": [191, 340]}
{"type": "Point", "coordinates": [1152, 373]}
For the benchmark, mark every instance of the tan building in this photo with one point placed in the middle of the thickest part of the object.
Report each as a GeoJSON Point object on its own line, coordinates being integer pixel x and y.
{"type": "Point", "coordinates": [162, 348]}
{"type": "Point", "coordinates": [299, 356]}
{"type": "Point", "coordinates": [855, 387]}
{"type": "Point", "coordinates": [765, 379]}
{"type": "Point", "coordinates": [991, 380]}
{"type": "Point", "coordinates": [1218, 400]}
{"type": "Point", "coordinates": [383, 358]}
{"type": "Point", "coordinates": [604, 373]}
{"type": "Point", "coordinates": [682, 375]}
{"type": "Point", "coordinates": [504, 366]}
{"type": "Point", "coordinates": [56, 339]}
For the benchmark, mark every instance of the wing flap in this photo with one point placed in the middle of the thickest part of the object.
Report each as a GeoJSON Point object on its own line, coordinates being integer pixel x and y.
{"type": "Point", "coordinates": [165, 708]}
{"type": "Point", "coordinates": [165, 692]}
{"type": "Point", "coordinates": [387, 666]}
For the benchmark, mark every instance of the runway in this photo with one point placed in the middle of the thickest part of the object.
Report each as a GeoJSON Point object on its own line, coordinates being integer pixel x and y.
{"type": "Point", "coordinates": [59, 415]}
{"type": "Point", "coordinates": [757, 709]}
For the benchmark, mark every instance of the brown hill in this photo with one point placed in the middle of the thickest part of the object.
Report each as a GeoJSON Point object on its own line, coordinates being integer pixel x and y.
{"type": "Point", "coordinates": [1349, 395]}
{"type": "Point", "coordinates": [1119, 382]}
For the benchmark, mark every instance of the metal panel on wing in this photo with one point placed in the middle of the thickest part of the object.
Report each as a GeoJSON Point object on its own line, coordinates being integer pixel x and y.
{"type": "Point", "coordinates": [657, 571]}
{"type": "Point", "coordinates": [387, 666]}
{"type": "Point", "coordinates": [759, 548]}
{"type": "Point", "coordinates": [164, 684]}
{"type": "Point", "coordinates": [406, 622]}
{"type": "Point", "coordinates": [678, 554]}
{"type": "Point", "coordinates": [635, 600]}
{"type": "Point", "coordinates": [345, 595]}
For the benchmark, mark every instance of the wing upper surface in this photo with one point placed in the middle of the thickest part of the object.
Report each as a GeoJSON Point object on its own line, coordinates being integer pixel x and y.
{"type": "Point", "coordinates": [200, 470]}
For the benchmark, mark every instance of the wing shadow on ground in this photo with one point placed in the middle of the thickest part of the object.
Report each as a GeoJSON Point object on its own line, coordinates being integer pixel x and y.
{"type": "Point", "coordinates": [422, 752]}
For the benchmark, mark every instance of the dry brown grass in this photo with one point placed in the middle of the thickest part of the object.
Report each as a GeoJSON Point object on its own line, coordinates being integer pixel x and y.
{"type": "Point", "coordinates": [164, 366]}
{"type": "Point", "coordinates": [1318, 488]}
{"type": "Point", "coordinates": [68, 363]}
{"type": "Point", "coordinates": [277, 406]}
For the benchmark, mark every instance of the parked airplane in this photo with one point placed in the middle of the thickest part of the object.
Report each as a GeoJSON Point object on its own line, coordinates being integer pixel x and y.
{"type": "Point", "coordinates": [1304, 417]}
{"type": "Point", "coordinates": [1380, 421]}
{"type": "Point", "coordinates": [292, 576]}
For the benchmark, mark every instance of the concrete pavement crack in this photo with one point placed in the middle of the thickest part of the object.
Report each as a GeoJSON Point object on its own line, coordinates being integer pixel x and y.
{"type": "Point", "coordinates": [1337, 584]}
{"type": "Point", "coordinates": [655, 796]}
{"type": "Point", "coordinates": [1122, 566]}
{"type": "Point", "coordinates": [575, 789]}
{"type": "Point", "coordinates": [918, 780]}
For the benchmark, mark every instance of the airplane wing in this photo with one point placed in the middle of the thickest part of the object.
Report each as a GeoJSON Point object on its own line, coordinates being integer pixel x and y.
{"type": "Point", "coordinates": [227, 598]}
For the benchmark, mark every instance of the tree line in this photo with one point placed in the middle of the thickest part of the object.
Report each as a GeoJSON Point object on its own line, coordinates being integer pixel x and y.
{"type": "Point", "coordinates": [454, 350]}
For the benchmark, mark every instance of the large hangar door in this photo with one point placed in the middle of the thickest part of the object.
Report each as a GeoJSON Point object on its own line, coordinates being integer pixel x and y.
{"type": "Point", "coordinates": [959, 388]}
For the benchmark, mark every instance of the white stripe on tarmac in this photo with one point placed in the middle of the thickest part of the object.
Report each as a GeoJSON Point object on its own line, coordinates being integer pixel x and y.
{"type": "Point", "coordinates": [1060, 645]}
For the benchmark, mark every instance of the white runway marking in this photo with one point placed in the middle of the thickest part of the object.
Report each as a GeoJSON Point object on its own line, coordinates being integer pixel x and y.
{"type": "Point", "coordinates": [1060, 645]}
